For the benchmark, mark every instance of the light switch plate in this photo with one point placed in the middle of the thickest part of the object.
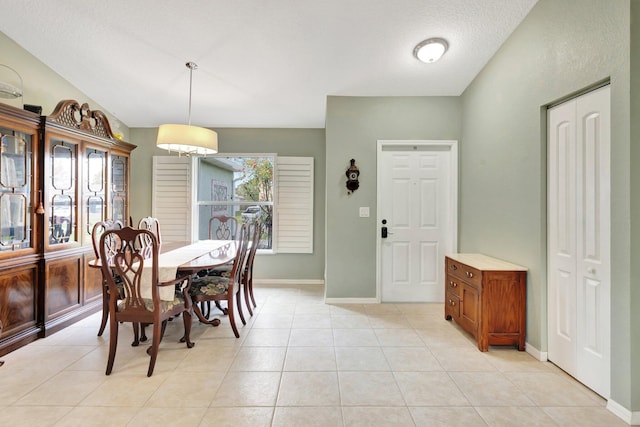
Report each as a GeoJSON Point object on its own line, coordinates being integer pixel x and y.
{"type": "Point", "coordinates": [364, 211]}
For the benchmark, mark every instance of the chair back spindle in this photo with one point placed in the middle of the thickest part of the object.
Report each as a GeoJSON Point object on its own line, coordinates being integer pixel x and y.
{"type": "Point", "coordinates": [222, 227]}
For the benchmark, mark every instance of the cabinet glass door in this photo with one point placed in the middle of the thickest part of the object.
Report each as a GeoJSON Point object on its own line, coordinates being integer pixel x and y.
{"type": "Point", "coordinates": [119, 188]}
{"type": "Point", "coordinates": [94, 193]}
{"type": "Point", "coordinates": [62, 192]}
{"type": "Point", "coordinates": [16, 159]}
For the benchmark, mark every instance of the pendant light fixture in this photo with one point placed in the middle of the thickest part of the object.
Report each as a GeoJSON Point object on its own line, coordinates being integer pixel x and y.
{"type": "Point", "coordinates": [187, 139]}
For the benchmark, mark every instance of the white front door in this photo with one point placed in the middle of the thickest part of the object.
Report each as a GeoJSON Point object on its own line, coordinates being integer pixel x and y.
{"type": "Point", "coordinates": [417, 204]}
{"type": "Point", "coordinates": [579, 284]}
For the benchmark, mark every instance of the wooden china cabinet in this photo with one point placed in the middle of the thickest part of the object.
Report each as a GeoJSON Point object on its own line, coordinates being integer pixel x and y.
{"type": "Point", "coordinates": [60, 174]}
{"type": "Point", "coordinates": [20, 248]}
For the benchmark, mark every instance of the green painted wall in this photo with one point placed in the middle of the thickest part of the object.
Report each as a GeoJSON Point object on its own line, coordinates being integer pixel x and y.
{"type": "Point", "coordinates": [42, 85]}
{"type": "Point", "coordinates": [562, 47]}
{"type": "Point", "coordinates": [283, 142]}
{"type": "Point", "coordinates": [631, 345]}
{"type": "Point", "coordinates": [353, 127]}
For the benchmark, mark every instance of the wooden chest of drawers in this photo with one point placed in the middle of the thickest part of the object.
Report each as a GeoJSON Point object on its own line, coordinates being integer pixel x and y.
{"type": "Point", "coordinates": [487, 297]}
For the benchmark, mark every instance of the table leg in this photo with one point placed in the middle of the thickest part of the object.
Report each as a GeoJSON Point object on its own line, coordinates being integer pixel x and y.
{"type": "Point", "coordinates": [212, 322]}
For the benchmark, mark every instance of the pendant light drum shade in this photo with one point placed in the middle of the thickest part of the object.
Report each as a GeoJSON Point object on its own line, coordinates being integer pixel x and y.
{"type": "Point", "coordinates": [187, 139]}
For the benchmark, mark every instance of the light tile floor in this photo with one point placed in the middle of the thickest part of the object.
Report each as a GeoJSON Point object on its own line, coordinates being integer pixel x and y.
{"type": "Point", "coordinates": [298, 362]}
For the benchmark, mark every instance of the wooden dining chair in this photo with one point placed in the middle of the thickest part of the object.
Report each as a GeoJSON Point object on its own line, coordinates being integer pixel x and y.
{"type": "Point", "coordinates": [122, 255]}
{"type": "Point", "coordinates": [223, 227]}
{"type": "Point", "coordinates": [247, 276]}
{"type": "Point", "coordinates": [99, 228]}
{"type": "Point", "coordinates": [153, 225]}
{"type": "Point", "coordinates": [255, 231]}
{"type": "Point", "coordinates": [223, 288]}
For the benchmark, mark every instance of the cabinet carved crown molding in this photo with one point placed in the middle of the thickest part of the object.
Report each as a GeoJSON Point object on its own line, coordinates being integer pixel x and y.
{"type": "Point", "coordinates": [71, 114]}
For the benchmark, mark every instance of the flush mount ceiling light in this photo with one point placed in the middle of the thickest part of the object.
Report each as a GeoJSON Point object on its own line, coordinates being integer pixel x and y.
{"type": "Point", "coordinates": [430, 50]}
{"type": "Point", "coordinates": [187, 139]}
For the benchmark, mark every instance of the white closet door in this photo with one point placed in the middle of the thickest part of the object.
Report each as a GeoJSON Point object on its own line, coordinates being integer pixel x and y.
{"type": "Point", "coordinates": [593, 240]}
{"type": "Point", "coordinates": [579, 238]}
{"type": "Point", "coordinates": [561, 238]}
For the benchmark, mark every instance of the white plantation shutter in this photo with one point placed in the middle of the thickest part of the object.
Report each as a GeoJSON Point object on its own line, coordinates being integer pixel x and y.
{"type": "Point", "coordinates": [171, 200]}
{"type": "Point", "coordinates": [294, 207]}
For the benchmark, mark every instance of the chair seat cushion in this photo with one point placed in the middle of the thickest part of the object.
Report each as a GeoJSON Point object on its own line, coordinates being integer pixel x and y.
{"type": "Point", "coordinates": [165, 305]}
{"type": "Point", "coordinates": [209, 285]}
{"type": "Point", "coordinates": [224, 271]}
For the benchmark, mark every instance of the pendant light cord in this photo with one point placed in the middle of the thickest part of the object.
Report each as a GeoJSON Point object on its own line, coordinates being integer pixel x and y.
{"type": "Point", "coordinates": [191, 66]}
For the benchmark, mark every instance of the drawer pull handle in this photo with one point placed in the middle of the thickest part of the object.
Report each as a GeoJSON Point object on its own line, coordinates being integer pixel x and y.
{"type": "Point", "coordinates": [453, 267]}
{"type": "Point", "coordinates": [469, 274]}
{"type": "Point", "coordinates": [453, 284]}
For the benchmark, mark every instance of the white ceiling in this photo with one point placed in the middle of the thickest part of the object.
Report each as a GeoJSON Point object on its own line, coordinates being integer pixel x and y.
{"type": "Point", "coordinates": [261, 63]}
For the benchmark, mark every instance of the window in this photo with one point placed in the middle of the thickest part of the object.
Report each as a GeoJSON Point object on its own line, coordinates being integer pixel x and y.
{"type": "Point", "coordinates": [238, 186]}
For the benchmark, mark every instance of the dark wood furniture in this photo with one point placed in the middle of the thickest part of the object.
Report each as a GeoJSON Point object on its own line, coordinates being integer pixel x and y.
{"type": "Point", "coordinates": [211, 253]}
{"type": "Point", "coordinates": [487, 297]}
{"type": "Point", "coordinates": [153, 225]}
{"type": "Point", "coordinates": [21, 282]}
{"type": "Point", "coordinates": [247, 276]}
{"type": "Point", "coordinates": [137, 265]}
{"type": "Point", "coordinates": [223, 288]}
{"type": "Point", "coordinates": [223, 227]}
{"type": "Point", "coordinates": [99, 228]}
{"type": "Point", "coordinates": [221, 252]}
{"type": "Point", "coordinates": [60, 174]}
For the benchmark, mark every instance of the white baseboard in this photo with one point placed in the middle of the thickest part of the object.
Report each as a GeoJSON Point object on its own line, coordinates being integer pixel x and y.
{"type": "Point", "coordinates": [537, 354]}
{"type": "Point", "coordinates": [351, 301]}
{"type": "Point", "coordinates": [269, 282]}
{"type": "Point", "coordinates": [629, 417]}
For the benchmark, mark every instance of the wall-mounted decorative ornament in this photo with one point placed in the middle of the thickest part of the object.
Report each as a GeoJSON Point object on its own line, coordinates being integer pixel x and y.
{"type": "Point", "coordinates": [352, 177]}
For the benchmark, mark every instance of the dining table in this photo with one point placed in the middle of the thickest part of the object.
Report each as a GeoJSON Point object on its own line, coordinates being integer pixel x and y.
{"type": "Point", "coordinates": [199, 256]}
{"type": "Point", "coordinates": [180, 259]}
